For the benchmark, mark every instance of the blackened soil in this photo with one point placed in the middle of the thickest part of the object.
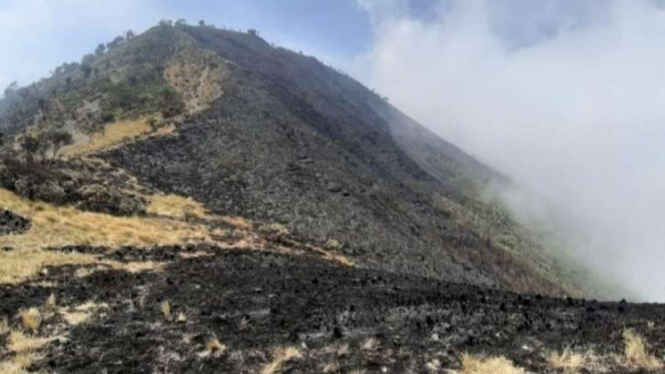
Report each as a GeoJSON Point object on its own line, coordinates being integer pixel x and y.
{"type": "Point", "coordinates": [11, 223]}
{"type": "Point", "coordinates": [255, 301]}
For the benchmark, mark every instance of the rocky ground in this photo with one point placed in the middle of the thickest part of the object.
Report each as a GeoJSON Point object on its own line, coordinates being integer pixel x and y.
{"type": "Point", "coordinates": [317, 315]}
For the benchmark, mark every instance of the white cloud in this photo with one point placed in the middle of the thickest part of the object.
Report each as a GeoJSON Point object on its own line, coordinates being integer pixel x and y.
{"type": "Point", "coordinates": [578, 114]}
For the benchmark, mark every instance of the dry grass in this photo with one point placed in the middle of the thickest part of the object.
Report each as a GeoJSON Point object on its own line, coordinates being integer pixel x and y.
{"type": "Point", "coordinates": [50, 303]}
{"type": "Point", "coordinates": [636, 354]}
{"type": "Point", "coordinates": [274, 229]}
{"type": "Point", "coordinates": [214, 346]}
{"type": "Point", "coordinates": [54, 227]}
{"type": "Point", "coordinates": [23, 346]}
{"type": "Point", "coordinates": [19, 342]}
{"type": "Point", "coordinates": [21, 264]}
{"type": "Point", "coordinates": [81, 313]}
{"type": "Point", "coordinates": [486, 365]}
{"type": "Point", "coordinates": [113, 135]}
{"type": "Point", "coordinates": [280, 357]}
{"type": "Point", "coordinates": [568, 361]}
{"type": "Point", "coordinates": [239, 222]}
{"type": "Point", "coordinates": [176, 206]}
{"type": "Point", "coordinates": [31, 319]}
{"type": "Point", "coordinates": [4, 325]}
{"type": "Point", "coordinates": [198, 76]}
{"type": "Point", "coordinates": [331, 367]}
{"type": "Point", "coordinates": [17, 364]}
{"type": "Point", "coordinates": [165, 307]}
{"type": "Point", "coordinates": [74, 318]}
{"type": "Point", "coordinates": [434, 366]}
{"type": "Point", "coordinates": [333, 245]}
{"type": "Point", "coordinates": [369, 344]}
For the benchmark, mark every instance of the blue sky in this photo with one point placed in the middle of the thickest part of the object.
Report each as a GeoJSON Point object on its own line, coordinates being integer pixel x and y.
{"type": "Point", "coordinates": [37, 35]}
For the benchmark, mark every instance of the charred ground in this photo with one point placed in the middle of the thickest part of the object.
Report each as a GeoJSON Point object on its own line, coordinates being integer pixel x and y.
{"type": "Point", "coordinates": [337, 317]}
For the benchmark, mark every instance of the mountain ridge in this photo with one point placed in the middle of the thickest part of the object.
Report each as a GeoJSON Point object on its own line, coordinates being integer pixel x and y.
{"type": "Point", "coordinates": [390, 204]}
{"type": "Point", "coordinates": [193, 199]}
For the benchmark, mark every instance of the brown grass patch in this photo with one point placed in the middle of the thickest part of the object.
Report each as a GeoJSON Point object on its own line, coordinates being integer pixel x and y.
{"type": "Point", "coordinates": [80, 313]}
{"type": "Point", "coordinates": [113, 135]}
{"type": "Point", "coordinates": [198, 76]}
{"type": "Point", "coordinates": [636, 354]}
{"type": "Point", "coordinates": [165, 308]}
{"type": "Point", "coordinates": [17, 364]}
{"type": "Point", "coordinates": [486, 365]}
{"type": "Point", "coordinates": [21, 264]}
{"type": "Point", "coordinates": [176, 206]}
{"type": "Point", "coordinates": [280, 357]}
{"type": "Point", "coordinates": [239, 222]}
{"type": "Point", "coordinates": [74, 318]}
{"type": "Point", "coordinates": [54, 227]}
{"type": "Point", "coordinates": [568, 361]}
{"type": "Point", "coordinates": [23, 346]}
{"type": "Point", "coordinates": [214, 346]}
{"type": "Point", "coordinates": [31, 319]}
{"type": "Point", "coordinates": [4, 325]}
{"type": "Point", "coordinates": [20, 342]}
{"type": "Point", "coordinates": [50, 303]}
{"type": "Point", "coordinates": [197, 254]}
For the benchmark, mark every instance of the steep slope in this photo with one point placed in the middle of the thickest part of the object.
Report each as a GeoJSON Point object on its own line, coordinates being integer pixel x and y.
{"type": "Point", "coordinates": [261, 132]}
{"type": "Point", "coordinates": [230, 206]}
{"type": "Point", "coordinates": [293, 141]}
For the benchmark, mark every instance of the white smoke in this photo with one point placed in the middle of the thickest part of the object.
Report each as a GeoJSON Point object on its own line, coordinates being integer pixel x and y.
{"type": "Point", "coordinates": [565, 97]}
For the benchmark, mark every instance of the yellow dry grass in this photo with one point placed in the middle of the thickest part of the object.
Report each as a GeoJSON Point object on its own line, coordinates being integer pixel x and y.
{"type": "Point", "coordinates": [50, 302]}
{"type": "Point", "coordinates": [280, 357]}
{"type": "Point", "coordinates": [568, 361]}
{"type": "Point", "coordinates": [19, 342]}
{"type": "Point", "coordinates": [31, 319]}
{"type": "Point", "coordinates": [54, 226]}
{"type": "Point", "coordinates": [165, 307]}
{"type": "Point", "coordinates": [636, 354]}
{"type": "Point", "coordinates": [113, 135]}
{"type": "Point", "coordinates": [17, 364]}
{"type": "Point", "coordinates": [239, 222]}
{"type": "Point", "coordinates": [486, 365]}
{"type": "Point", "coordinates": [175, 206]}
{"type": "Point", "coordinates": [214, 346]}
{"type": "Point", "coordinates": [181, 318]}
{"type": "Point", "coordinates": [23, 348]}
{"type": "Point", "coordinates": [198, 76]}
{"type": "Point", "coordinates": [81, 313]}
{"type": "Point", "coordinates": [21, 264]}
{"type": "Point", "coordinates": [4, 325]}
{"type": "Point", "coordinates": [74, 318]}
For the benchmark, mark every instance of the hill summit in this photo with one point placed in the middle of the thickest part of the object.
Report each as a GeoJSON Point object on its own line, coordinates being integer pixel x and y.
{"type": "Point", "coordinates": [274, 136]}
{"type": "Point", "coordinates": [194, 199]}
